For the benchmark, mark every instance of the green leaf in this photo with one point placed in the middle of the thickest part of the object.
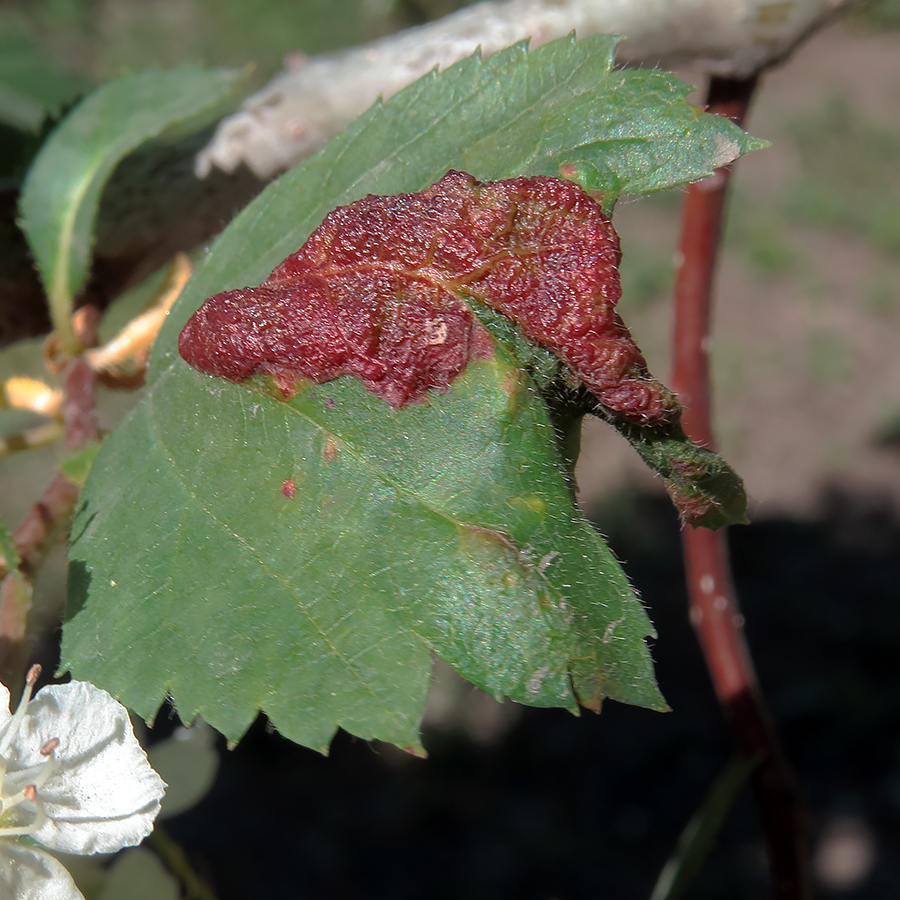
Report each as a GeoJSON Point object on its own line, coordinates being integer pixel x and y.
{"type": "Point", "coordinates": [33, 85]}
{"type": "Point", "coordinates": [307, 558]}
{"type": "Point", "coordinates": [705, 490]}
{"type": "Point", "coordinates": [139, 874]}
{"type": "Point", "coordinates": [25, 359]}
{"type": "Point", "coordinates": [699, 835]}
{"type": "Point", "coordinates": [62, 189]}
{"type": "Point", "coordinates": [9, 555]}
{"type": "Point", "coordinates": [187, 762]}
{"type": "Point", "coordinates": [514, 113]}
{"type": "Point", "coordinates": [445, 528]}
{"type": "Point", "coordinates": [77, 466]}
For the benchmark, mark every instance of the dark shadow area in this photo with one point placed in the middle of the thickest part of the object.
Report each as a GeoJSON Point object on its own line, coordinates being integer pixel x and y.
{"type": "Point", "coordinates": [590, 807]}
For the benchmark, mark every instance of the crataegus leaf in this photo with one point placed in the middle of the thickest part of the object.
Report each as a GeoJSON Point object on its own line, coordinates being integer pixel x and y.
{"type": "Point", "coordinates": [514, 113]}
{"type": "Point", "coordinates": [306, 557]}
{"type": "Point", "coordinates": [380, 291]}
{"type": "Point", "coordinates": [705, 490]}
{"type": "Point", "coordinates": [62, 189]}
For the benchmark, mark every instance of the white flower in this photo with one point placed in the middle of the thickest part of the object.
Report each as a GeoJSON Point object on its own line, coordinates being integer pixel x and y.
{"type": "Point", "coordinates": [73, 778]}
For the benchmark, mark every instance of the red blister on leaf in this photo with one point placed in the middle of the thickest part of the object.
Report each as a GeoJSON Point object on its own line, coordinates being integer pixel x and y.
{"type": "Point", "coordinates": [378, 292]}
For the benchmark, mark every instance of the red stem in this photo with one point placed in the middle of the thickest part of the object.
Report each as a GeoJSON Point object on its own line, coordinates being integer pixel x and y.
{"type": "Point", "coordinates": [714, 609]}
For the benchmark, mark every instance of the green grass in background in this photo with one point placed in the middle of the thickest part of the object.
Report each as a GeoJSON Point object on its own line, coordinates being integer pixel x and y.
{"type": "Point", "coordinates": [759, 234]}
{"type": "Point", "coordinates": [881, 291]}
{"type": "Point", "coordinates": [848, 180]}
{"type": "Point", "coordinates": [828, 357]}
{"type": "Point", "coordinates": [877, 16]}
{"type": "Point", "coordinates": [647, 278]}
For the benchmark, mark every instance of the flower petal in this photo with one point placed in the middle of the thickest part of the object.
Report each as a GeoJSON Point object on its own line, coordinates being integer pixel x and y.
{"type": "Point", "coordinates": [27, 873]}
{"type": "Point", "coordinates": [5, 714]}
{"type": "Point", "coordinates": [102, 795]}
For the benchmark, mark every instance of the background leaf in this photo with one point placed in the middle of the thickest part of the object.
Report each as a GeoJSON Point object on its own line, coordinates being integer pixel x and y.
{"type": "Point", "coordinates": [9, 555]}
{"type": "Point", "coordinates": [33, 86]}
{"type": "Point", "coordinates": [139, 874]}
{"type": "Point", "coordinates": [187, 762]}
{"type": "Point", "coordinates": [699, 836]}
{"type": "Point", "coordinates": [445, 527]}
{"type": "Point", "coordinates": [62, 189]}
{"type": "Point", "coordinates": [77, 466]}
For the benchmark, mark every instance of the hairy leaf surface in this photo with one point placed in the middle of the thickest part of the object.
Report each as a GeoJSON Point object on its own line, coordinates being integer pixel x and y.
{"type": "Point", "coordinates": [307, 557]}
{"type": "Point", "coordinates": [379, 292]}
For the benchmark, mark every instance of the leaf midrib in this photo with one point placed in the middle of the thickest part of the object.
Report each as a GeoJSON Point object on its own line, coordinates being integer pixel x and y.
{"type": "Point", "coordinates": [279, 579]}
{"type": "Point", "coordinates": [375, 472]}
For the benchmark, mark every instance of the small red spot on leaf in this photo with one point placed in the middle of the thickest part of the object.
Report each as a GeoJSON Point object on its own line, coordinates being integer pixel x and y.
{"type": "Point", "coordinates": [329, 452]}
{"type": "Point", "coordinates": [510, 383]}
{"type": "Point", "coordinates": [378, 292]}
{"type": "Point", "coordinates": [289, 488]}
